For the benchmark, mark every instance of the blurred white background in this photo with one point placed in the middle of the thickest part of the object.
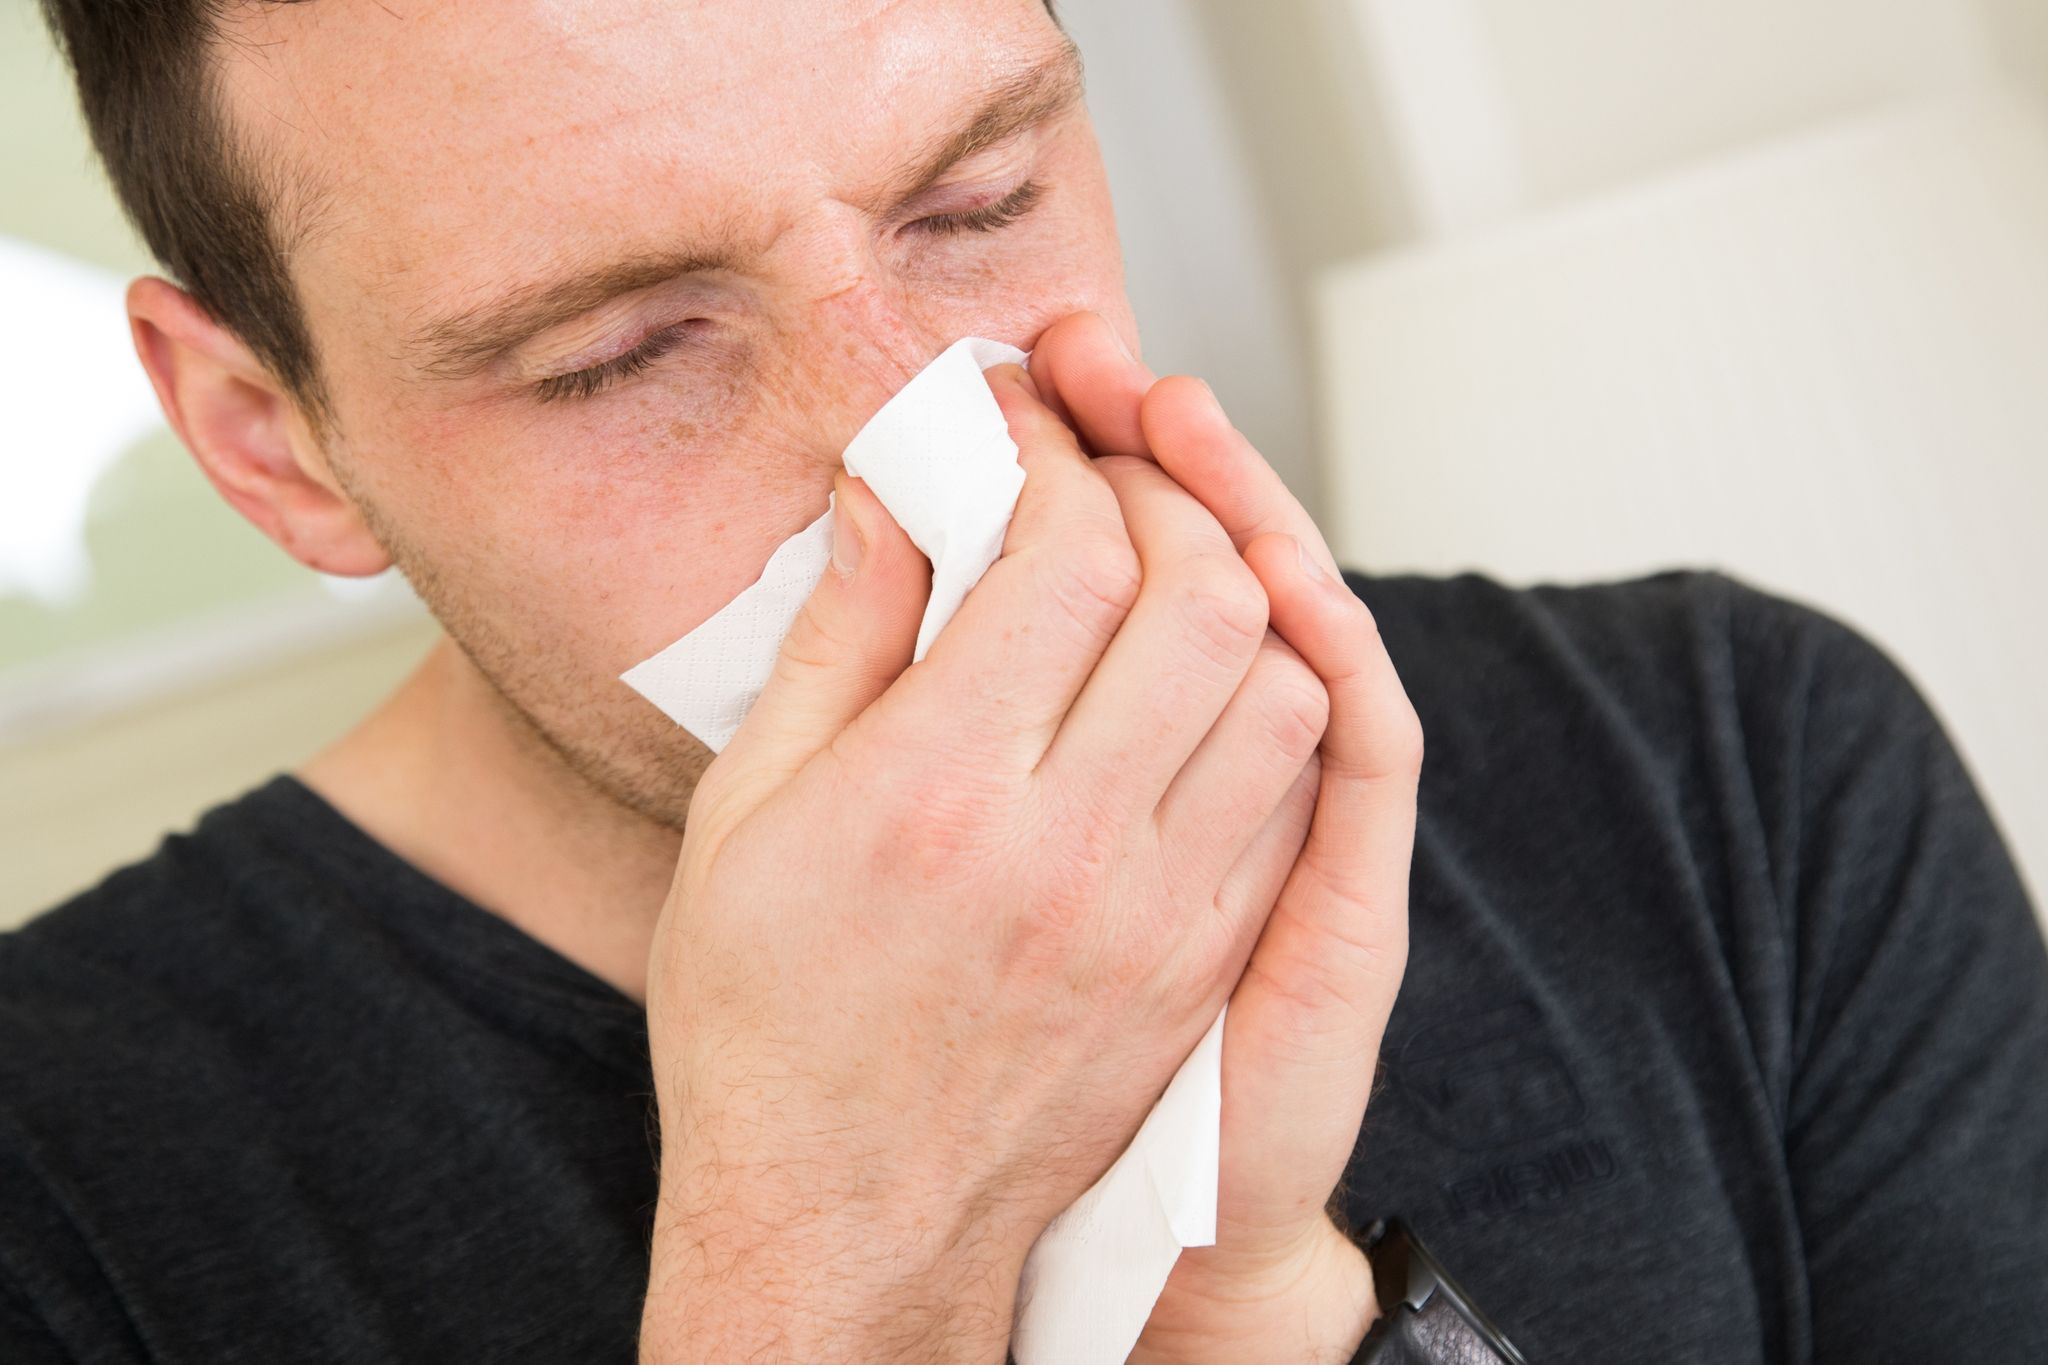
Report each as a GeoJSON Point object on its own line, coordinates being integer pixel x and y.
{"type": "Point", "coordinates": [1550, 289]}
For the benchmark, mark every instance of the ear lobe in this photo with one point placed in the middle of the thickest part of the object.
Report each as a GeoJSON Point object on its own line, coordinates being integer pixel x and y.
{"type": "Point", "coordinates": [243, 429]}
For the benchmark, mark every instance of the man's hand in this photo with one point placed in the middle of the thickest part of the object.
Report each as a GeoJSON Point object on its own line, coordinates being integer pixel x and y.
{"type": "Point", "coordinates": [1306, 1021]}
{"type": "Point", "coordinates": [940, 933]}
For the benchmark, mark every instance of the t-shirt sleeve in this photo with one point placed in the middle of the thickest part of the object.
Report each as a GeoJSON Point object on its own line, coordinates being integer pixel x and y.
{"type": "Point", "coordinates": [1917, 1121]}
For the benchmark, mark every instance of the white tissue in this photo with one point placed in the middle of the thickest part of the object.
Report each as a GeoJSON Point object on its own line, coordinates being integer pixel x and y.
{"type": "Point", "coordinates": [1093, 1275]}
{"type": "Point", "coordinates": [939, 456]}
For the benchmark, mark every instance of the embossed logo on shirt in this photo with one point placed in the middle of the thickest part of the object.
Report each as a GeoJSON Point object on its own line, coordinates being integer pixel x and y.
{"type": "Point", "coordinates": [1493, 1080]}
{"type": "Point", "coordinates": [1513, 1186]}
{"type": "Point", "coordinates": [1487, 1080]}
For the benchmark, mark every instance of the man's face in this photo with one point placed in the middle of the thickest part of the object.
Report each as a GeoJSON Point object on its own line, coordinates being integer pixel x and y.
{"type": "Point", "coordinates": [601, 291]}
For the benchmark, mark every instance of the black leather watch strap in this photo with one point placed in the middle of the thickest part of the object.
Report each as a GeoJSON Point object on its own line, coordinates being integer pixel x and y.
{"type": "Point", "coordinates": [1434, 1336]}
{"type": "Point", "coordinates": [1425, 1319]}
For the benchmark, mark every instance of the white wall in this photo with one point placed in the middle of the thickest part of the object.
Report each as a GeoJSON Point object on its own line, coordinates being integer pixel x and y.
{"type": "Point", "coordinates": [1498, 106]}
{"type": "Point", "coordinates": [1819, 363]}
{"type": "Point", "coordinates": [1205, 275]}
{"type": "Point", "coordinates": [2019, 31]}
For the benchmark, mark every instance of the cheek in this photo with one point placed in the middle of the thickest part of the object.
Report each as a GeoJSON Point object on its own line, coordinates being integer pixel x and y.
{"type": "Point", "coordinates": [674, 528]}
{"type": "Point", "coordinates": [602, 532]}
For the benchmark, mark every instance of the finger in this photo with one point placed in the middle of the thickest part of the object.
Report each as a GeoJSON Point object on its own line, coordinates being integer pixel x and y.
{"type": "Point", "coordinates": [1191, 437]}
{"type": "Point", "coordinates": [1309, 1014]}
{"type": "Point", "coordinates": [1244, 766]}
{"type": "Point", "coordinates": [1190, 640]}
{"type": "Point", "coordinates": [1351, 887]}
{"type": "Point", "coordinates": [1025, 640]}
{"type": "Point", "coordinates": [1088, 377]}
{"type": "Point", "coordinates": [1249, 888]}
{"type": "Point", "coordinates": [853, 637]}
{"type": "Point", "coordinates": [1253, 883]}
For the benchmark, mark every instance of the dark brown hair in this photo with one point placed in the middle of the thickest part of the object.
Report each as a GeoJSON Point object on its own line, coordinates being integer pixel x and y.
{"type": "Point", "coordinates": [146, 74]}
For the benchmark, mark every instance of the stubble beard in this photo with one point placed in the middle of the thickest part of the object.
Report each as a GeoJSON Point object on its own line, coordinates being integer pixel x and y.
{"type": "Point", "coordinates": [648, 769]}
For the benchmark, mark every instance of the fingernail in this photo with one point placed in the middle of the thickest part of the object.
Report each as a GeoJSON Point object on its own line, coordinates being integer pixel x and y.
{"type": "Point", "coordinates": [1130, 355]}
{"type": "Point", "coordinates": [1310, 565]}
{"type": "Point", "coordinates": [847, 539]}
{"type": "Point", "coordinates": [1016, 376]}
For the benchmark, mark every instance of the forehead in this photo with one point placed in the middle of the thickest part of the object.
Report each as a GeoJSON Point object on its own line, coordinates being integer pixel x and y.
{"type": "Point", "coordinates": [448, 135]}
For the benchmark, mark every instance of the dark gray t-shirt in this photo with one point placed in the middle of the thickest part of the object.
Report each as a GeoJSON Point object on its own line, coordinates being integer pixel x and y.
{"type": "Point", "coordinates": [1724, 1038]}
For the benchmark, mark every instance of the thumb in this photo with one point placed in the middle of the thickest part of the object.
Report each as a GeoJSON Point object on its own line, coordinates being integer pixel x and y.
{"type": "Point", "coordinates": [855, 634]}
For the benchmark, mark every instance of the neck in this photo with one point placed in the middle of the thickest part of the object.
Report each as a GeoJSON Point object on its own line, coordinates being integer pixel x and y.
{"type": "Point", "coordinates": [446, 776]}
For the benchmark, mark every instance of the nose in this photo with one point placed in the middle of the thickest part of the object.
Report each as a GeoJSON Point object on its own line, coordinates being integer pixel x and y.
{"type": "Point", "coordinates": [867, 339]}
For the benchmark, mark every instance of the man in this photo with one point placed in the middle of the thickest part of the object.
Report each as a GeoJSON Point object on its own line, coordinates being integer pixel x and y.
{"type": "Point", "coordinates": [513, 1027]}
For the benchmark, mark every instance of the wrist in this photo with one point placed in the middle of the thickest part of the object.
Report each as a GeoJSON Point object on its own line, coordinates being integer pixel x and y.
{"type": "Point", "coordinates": [1315, 1304]}
{"type": "Point", "coordinates": [775, 1262]}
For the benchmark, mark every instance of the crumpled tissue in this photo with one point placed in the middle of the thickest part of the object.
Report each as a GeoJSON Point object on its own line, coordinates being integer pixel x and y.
{"type": "Point", "coordinates": [939, 456]}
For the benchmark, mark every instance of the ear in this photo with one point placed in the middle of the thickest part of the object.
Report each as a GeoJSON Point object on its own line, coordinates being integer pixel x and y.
{"type": "Point", "coordinates": [247, 433]}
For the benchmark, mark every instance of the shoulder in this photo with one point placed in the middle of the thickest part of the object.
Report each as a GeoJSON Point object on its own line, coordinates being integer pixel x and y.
{"type": "Point", "coordinates": [1630, 633]}
{"type": "Point", "coordinates": [1682, 660]}
{"type": "Point", "coordinates": [132, 1022]}
{"type": "Point", "coordinates": [190, 877]}
{"type": "Point", "coordinates": [1775, 748]}
{"type": "Point", "coordinates": [93, 986]}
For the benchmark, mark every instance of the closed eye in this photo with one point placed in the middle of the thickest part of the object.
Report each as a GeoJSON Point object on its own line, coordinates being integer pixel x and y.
{"type": "Point", "coordinates": [595, 379]}
{"type": "Point", "coordinates": [588, 383]}
{"type": "Point", "coordinates": [989, 217]}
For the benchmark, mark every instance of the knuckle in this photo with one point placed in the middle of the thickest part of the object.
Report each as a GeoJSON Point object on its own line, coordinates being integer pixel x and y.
{"type": "Point", "coordinates": [1129, 967]}
{"type": "Point", "coordinates": [1096, 583]}
{"type": "Point", "coordinates": [1119, 468]}
{"type": "Point", "coordinates": [1109, 570]}
{"type": "Point", "coordinates": [1324, 994]}
{"type": "Point", "coordinates": [1222, 606]}
{"type": "Point", "coordinates": [1074, 823]}
{"type": "Point", "coordinates": [812, 645]}
{"type": "Point", "coordinates": [1296, 707]}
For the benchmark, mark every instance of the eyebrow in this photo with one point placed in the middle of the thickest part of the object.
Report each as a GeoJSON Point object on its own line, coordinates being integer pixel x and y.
{"type": "Point", "coordinates": [465, 343]}
{"type": "Point", "coordinates": [1020, 102]}
{"type": "Point", "coordinates": [459, 346]}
